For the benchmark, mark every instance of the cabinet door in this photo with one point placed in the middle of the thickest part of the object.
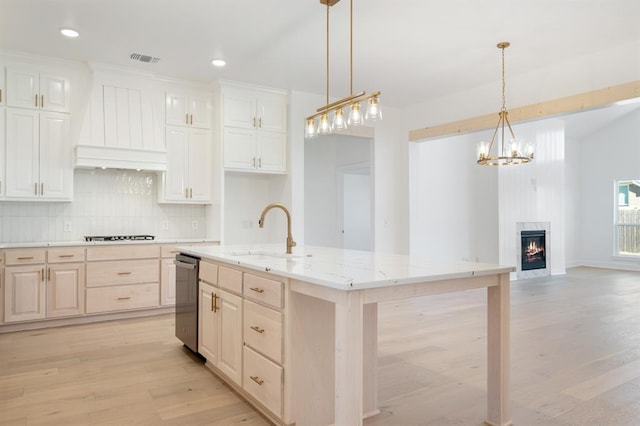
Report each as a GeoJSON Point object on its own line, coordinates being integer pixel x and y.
{"type": "Point", "coordinates": [208, 323]}
{"type": "Point", "coordinates": [177, 109]}
{"type": "Point", "coordinates": [177, 151]}
{"type": "Point", "coordinates": [56, 169]}
{"type": "Point", "coordinates": [24, 296]}
{"type": "Point", "coordinates": [230, 357]}
{"type": "Point", "coordinates": [239, 148]}
{"type": "Point", "coordinates": [65, 290]}
{"type": "Point", "coordinates": [22, 148]}
{"type": "Point", "coordinates": [272, 112]}
{"type": "Point", "coordinates": [199, 164]}
{"type": "Point", "coordinates": [239, 109]}
{"type": "Point", "coordinates": [272, 152]}
{"type": "Point", "coordinates": [201, 112]}
{"type": "Point", "coordinates": [22, 88]}
{"type": "Point", "coordinates": [167, 282]}
{"type": "Point", "coordinates": [54, 93]}
{"type": "Point", "coordinates": [3, 181]}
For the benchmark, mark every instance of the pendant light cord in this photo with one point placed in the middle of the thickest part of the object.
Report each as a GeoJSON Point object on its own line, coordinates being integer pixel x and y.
{"type": "Point", "coordinates": [351, 50]}
{"type": "Point", "coordinates": [327, 52]}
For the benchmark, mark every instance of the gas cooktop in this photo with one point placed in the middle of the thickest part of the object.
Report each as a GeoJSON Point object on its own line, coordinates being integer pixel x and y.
{"type": "Point", "coordinates": [118, 237]}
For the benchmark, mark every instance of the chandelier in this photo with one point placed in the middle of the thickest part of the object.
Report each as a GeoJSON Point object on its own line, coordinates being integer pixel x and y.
{"type": "Point", "coordinates": [325, 125]}
{"type": "Point", "coordinates": [507, 152]}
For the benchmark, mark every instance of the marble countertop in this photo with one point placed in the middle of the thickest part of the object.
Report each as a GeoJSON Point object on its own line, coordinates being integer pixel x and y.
{"type": "Point", "coordinates": [100, 243]}
{"type": "Point", "coordinates": [342, 269]}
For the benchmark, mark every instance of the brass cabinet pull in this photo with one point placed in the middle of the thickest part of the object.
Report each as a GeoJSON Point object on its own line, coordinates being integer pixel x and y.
{"type": "Point", "coordinates": [186, 118]}
{"type": "Point", "coordinates": [260, 122]}
{"type": "Point", "coordinates": [0, 96]}
{"type": "Point", "coordinates": [35, 188]}
{"type": "Point", "coordinates": [214, 302]}
{"type": "Point", "coordinates": [257, 289]}
{"type": "Point", "coordinates": [25, 258]}
{"type": "Point", "coordinates": [41, 101]}
{"type": "Point", "coordinates": [41, 188]}
{"type": "Point", "coordinates": [260, 162]}
{"type": "Point", "coordinates": [254, 122]}
{"type": "Point", "coordinates": [191, 122]}
{"type": "Point", "coordinates": [257, 380]}
{"type": "Point", "coordinates": [36, 97]}
{"type": "Point", "coordinates": [257, 329]}
{"type": "Point", "coordinates": [124, 298]}
{"type": "Point", "coordinates": [66, 255]}
{"type": "Point", "coordinates": [42, 275]}
{"type": "Point", "coordinates": [48, 274]}
{"type": "Point", "coordinates": [254, 161]}
{"type": "Point", "coordinates": [124, 273]}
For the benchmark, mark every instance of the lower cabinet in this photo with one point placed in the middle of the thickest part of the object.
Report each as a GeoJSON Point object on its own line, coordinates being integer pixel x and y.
{"type": "Point", "coordinates": [220, 330]}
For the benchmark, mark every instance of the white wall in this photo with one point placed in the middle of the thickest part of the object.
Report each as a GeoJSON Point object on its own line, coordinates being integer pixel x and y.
{"type": "Point", "coordinates": [573, 197]}
{"type": "Point", "coordinates": [323, 157]}
{"type": "Point", "coordinates": [106, 202]}
{"type": "Point", "coordinates": [454, 202]}
{"type": "Point", "coordinates": [611, 154]}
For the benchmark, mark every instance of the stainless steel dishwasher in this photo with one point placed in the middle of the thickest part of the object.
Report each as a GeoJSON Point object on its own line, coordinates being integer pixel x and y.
{"type": "Point", "coordinates": [187, 300]}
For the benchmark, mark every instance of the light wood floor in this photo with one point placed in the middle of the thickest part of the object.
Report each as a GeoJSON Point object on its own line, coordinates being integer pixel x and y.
{"type": "Point", "coordinates": [575, 358]}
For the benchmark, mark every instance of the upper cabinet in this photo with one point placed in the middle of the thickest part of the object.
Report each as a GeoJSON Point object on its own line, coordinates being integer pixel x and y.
{"type": "Point", "coordinates": [189, 109]}
{"type": "Point", "coordinates": [254, 130]}
{"type": "Point", "coordinates": [3, 92]}
{"type": "Point", "coordinates": [3, 181]}
{"type": "Point", "coordinates": [36, 89]}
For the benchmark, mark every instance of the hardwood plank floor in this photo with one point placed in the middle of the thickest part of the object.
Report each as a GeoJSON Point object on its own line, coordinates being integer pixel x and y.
{"type": "Point", "coordinates": [575, 358]}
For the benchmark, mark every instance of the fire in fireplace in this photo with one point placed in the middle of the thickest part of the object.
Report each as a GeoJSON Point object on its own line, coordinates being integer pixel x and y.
{"type": "Point", "coordinates": [533, 250]}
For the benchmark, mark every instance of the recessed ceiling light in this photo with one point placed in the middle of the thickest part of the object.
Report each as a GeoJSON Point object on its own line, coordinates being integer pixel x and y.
{"type": "Point", "coordinates": [219, 62]}
{"type": "Point", "coordinates": [68, 32]}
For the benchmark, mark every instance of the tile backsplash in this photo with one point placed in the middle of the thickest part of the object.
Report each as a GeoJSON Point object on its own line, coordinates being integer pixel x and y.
{"type": "Point", "coordinates": [106, 202]}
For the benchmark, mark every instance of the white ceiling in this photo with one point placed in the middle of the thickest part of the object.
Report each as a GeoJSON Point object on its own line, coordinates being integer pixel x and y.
{"type": "Point", "coordinates": [411, 50]}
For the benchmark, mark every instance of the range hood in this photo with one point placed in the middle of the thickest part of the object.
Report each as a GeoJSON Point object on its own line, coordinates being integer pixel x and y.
{"type": "Point", "coordinates": [92, 156]}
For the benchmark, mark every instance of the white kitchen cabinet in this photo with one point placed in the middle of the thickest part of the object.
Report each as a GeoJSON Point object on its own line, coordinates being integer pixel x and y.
{"type": "Point", "coordinates": [38, 156]}
{"type": "Point", "coordinates": [189, 109]}
{"type": "Point", "coordinates": [255, 130]}
{"type": "Point", "coordinates": [188, 175]}
{"type": "Point", "coordinates": [3, 180]}
{"type": "Point", "coordinates": [37, 89]}
{"type": "Point", "coordinates": [220, 330]}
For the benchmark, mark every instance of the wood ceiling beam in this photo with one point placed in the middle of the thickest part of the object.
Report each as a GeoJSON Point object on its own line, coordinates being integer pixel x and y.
{"type": "Point", "coordinates": [575, 103]}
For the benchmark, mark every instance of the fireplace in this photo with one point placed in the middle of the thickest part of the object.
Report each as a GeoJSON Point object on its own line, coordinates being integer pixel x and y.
{"type": "Point", "coordinates": [533, 250]}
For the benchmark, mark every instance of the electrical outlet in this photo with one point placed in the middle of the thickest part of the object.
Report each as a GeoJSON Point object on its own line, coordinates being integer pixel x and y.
{"type": "Point", "coordinates": [165, 225]}
{"type": "Point", "coordinates": [194, 224]}
{"type": "Point", "coordinates": [67, 226]}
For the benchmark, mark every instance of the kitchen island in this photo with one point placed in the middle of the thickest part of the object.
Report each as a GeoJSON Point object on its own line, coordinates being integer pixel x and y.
{"type": "Point", "coordinates": [328, 329]}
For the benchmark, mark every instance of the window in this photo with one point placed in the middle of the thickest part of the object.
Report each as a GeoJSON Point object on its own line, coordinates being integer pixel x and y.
{"type": "Point", "coordinates": [627, 218]}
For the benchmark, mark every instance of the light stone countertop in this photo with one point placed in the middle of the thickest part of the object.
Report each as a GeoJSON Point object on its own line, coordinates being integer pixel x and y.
{"type": "Point", "coordinates": [100, 243]}
{"type": "Point", "coordinates": [342, 269]}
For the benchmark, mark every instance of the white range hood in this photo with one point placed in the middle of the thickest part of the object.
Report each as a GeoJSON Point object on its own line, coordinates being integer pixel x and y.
{"type": "Point", "coordinates": [92, 156]}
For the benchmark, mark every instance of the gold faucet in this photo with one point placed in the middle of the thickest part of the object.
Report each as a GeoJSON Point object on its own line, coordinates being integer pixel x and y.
{"type": "Point", "coordinates": [290, 242]}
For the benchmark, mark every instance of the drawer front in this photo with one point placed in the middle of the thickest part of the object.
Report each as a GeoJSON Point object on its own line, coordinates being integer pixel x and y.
{"type": "Point", "coordinates": [123, 272]}
{"type": "Point", "coordinates": [263, 379]}
{"type": "Point", "coordinates": [120, 298]}
{"type": "Point", "coordinates": [25, 256]}
{"type": "Point", "coordinates": [208, 272]}
{"type": "Point", "coordinates": [66, 254]}
{"type": "Point", "coordinates": [263, 330]}
{"type": "Point", "coordinates": [230, 279]}
{"type": "Point", "coordinates": [169, 250]}
{"type": "Point", "coordinates": [263, 289]}
{"type": "Point", "coordinates": [128, 251]}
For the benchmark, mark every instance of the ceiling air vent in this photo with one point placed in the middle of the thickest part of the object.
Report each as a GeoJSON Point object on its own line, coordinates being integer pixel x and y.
{"type": "Point", "coordinates": [144, 58]}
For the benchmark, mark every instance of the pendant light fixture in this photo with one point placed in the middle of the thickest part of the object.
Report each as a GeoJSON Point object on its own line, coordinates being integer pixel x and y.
{"type": "Point", "coordinates": [506, 152]}
{"type": "Point", "coordinates": [350, 103]}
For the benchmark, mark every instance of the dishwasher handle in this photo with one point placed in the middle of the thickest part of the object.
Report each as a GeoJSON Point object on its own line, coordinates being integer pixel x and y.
{"type": "Point", "coordinates": [184, 265]}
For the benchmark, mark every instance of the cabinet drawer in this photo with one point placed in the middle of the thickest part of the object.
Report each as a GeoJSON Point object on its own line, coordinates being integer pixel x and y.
{"type": "Point", "coordinates": [263, 379]}
{"type": "Point", "coordinates": [122, 272]}
{"type": "Point", "coordinates": [263, 289]}
{"type": "Point", "coordinates": [107, 299]}
{"type": "Point", "coordinates": [129, 251]}
{"type": "Point", "coordinates": [208, 272]}
{"type": "Point", "coordinates": [263, 330]}
{"type": "Point", "coordinates": [25, 256]}
{"type": "Point", "coordinates": [230, 279]}
{"type": "Point", "coordinates": [67, 254]}
{"type": "Point", "coordinates": [169, 250]}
